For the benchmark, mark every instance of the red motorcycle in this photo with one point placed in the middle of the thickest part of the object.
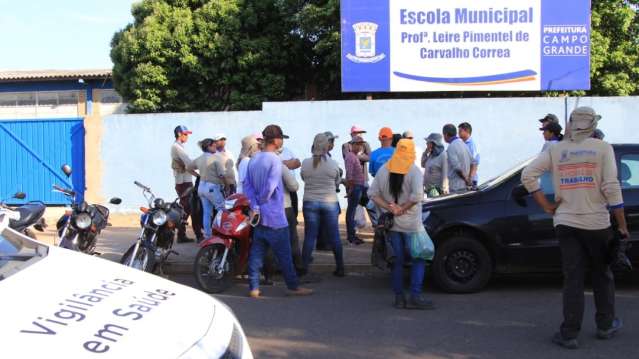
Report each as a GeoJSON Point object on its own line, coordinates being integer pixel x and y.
{"type": "Point", "coordinates": [225, 254]}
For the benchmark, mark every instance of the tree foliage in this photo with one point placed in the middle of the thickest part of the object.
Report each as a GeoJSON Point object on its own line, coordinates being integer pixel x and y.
{"type": "Point", "coordinates": [198, 55]}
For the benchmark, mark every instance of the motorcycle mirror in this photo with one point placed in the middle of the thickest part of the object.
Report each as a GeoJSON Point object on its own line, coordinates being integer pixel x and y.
{"type": "Point", "coordinates": [20, 195]}
{"type": "Point", "coordinates": [115, 200]}
{"type": "Point", "coordinates": [66, 169]}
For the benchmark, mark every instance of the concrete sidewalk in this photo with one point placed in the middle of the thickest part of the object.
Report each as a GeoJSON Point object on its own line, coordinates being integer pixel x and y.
{"type": "Point", "coordinates": [115, 240]}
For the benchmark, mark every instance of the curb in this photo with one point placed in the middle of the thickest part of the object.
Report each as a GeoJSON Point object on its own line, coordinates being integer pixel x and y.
{"type": "Point", "coordinates": [181, 268]}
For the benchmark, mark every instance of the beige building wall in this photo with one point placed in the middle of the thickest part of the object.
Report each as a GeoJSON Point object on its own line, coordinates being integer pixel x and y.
{"type": "Point", "coordinates": [93, 127]}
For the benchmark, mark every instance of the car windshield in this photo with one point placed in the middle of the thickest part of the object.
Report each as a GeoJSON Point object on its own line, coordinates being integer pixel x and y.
{"type": "Point", "coordinates": [504, 176]}
{"type": "Point", "coordinates": [18, 252]}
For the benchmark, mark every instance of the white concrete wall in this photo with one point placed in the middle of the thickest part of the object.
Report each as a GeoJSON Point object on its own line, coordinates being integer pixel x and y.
{"type": "Point", "coordinates": [506, 130]}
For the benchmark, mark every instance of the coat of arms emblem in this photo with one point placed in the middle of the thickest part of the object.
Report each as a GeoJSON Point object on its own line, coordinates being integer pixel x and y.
{"type": "Point", "coordinates": [365, 33]}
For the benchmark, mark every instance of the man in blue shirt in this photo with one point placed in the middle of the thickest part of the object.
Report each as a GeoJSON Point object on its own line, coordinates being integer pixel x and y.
{"type": "Point", "coordinates": [381, 155]}
{"type": "Point", "coordinates": [465, 133]}
{"type": "Point", "coordinates": [264, 188]}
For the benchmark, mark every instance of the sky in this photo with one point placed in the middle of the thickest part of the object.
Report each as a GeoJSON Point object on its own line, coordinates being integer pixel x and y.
{"type": "Point", "coordinates": [60, 34]}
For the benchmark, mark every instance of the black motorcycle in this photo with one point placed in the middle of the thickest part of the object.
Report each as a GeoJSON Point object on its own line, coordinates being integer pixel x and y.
{"type": "Point", "coordinates": [29, 214]}
{"type": "Point", "coordinates": [158, 222]}
{"type": "Point", "coordinates": [80, 226]}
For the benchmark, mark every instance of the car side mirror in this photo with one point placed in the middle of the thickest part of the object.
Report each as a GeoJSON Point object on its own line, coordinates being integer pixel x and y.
{"type": "Point", "coordinates": [519, 194]}
{"type": "Point", "coordinates": [20, 195]}
{"type": "Point", "coordinates": [115, 200]}
{"type": "Point", "coordinates": [66, 169]}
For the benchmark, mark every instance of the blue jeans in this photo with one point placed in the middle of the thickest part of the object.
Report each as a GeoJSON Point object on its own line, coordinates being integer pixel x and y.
{"type": "Point", "coordinates": [399, 241]}
{"type": "Point", "coordinates": [212, 198]}
{"type": "Point", "coordinates": [322, 214]}
{"type": "Point", "coordinates": [277, 239]}
{"type": "Point", "coordinates": [353, 201]}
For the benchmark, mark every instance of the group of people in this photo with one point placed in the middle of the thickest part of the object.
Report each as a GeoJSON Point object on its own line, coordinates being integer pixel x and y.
{"type": "Point", "coordinates": [265, 174]}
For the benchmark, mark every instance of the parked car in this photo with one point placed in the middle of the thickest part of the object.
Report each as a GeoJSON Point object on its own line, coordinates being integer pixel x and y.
{"type": "Point", "coordinates": [61, 303]}
{"type": "Point", "coordinates": [491, 231]}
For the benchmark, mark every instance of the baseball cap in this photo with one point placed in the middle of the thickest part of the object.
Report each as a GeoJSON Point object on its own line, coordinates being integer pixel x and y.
{"type": "Point", "coordinates": [219, 137]}
{"type": "Point", "coordinates": [181, 129]}
{"type": "Point", "coordinates": [408, 134]}
{"type": "Point", "coordinates": [273, 131]}
{"type": "Point", "coordinates": [385, 133]}
{"type": "Point", "coordinates": [553, 127]}
{"type": "Point", "coordinates": [357, 129]}
{"type": "Point", "coordinates": [549, 118]}
{"type": "Point", "coordinates": [330, 135]}
{"type": "Point", "coordinates": [258, 136]}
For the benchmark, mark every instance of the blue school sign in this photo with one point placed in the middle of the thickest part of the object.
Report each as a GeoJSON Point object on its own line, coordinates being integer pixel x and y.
{"type": "Point", "coordinates": [465, 45]}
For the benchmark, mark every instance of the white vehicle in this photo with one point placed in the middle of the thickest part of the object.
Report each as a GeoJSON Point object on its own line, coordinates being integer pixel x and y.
{"type": "Point", "coordinates": [58, 303]}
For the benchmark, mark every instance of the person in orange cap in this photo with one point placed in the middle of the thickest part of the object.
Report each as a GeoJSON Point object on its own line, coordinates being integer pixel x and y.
{"type": "Point", "coordinates": [397, 188]}
{"type": "Point", "coordinates": [381, 155]}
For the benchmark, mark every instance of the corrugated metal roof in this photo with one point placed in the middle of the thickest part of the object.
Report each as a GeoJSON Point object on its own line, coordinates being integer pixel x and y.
{"type": "Point", "coordinates": [10, 76]}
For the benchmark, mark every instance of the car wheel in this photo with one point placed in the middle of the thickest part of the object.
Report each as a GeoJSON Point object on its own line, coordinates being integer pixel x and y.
{"type": "Point", "coordinates": [462, 265]}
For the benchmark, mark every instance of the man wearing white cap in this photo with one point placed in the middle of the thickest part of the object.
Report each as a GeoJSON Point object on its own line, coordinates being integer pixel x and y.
{"type": "Point", "coordinates": [364, 155]}
{"type": "Point", "coordinates": [586, 187]}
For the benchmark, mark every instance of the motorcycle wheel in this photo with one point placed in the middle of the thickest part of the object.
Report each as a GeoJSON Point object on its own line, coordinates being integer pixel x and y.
{"type": "Point", "coordinates": [208, 257]}
{"type": "Point", "coordinates": [144, 259]}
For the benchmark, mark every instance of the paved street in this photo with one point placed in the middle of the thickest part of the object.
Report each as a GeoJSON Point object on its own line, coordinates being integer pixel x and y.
{"type": "Point", "coordinates": [353, 317]}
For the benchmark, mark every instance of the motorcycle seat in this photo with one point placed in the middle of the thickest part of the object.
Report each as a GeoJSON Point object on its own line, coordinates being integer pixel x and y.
{"type": "Point", "coordinates": [30, 213]}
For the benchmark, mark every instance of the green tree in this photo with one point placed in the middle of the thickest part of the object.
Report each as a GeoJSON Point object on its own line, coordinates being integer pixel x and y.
{"type": "Point", "coordinates": [197, 55]}
{"type": "Point", "coordinates": [615, 48]}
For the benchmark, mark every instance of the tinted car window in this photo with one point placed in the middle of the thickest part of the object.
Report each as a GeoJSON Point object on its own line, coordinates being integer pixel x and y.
{"type": "Point", "coordinates": [629, 171]}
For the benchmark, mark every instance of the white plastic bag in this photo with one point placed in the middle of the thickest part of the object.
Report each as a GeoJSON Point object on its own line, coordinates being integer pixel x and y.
{"type": "Point", "coordinates": [360, 217]}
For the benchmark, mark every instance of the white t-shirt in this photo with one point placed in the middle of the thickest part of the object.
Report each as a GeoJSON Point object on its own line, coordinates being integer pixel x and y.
{"type": "Point", "coordinates": [241, 173]}
{"type": "Point", "coordinates": [289, 155]}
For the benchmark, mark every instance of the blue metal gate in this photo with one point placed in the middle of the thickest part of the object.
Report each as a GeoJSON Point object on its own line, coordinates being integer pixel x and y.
{"type": "Point", "coordinates": [31, 154]}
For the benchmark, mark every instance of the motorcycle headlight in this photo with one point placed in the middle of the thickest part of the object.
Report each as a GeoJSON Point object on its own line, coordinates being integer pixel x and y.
{"type": "Point", "coordinates": [83, 221]}
{"type": "Point", "coordinates": [159, 218]}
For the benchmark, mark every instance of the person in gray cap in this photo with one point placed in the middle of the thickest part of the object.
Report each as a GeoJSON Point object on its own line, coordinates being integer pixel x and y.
{"type": "Point", "coordinates": [552, 134]}
{"type": "Point", "coordinates": [435, 165]}
{"type": "Point", "coordinates": [584, 173]}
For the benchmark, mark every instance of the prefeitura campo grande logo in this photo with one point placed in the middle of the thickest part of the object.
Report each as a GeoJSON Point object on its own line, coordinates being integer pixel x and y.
{"type": "Point", "coordinates": [365, 33]}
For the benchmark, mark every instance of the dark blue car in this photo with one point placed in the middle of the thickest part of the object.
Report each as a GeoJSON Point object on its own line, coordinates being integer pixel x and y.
{"type": "Point", "coordinates": [494, 231]}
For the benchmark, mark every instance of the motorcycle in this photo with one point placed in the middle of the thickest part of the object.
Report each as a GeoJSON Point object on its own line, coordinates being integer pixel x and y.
{"type": "Point", "coordinates": [27, 215]}
{"type": "Point", "coordinates": [80, 225]}
{"type": "Point", "coordinates": [225, 254]}
{"type": "Point", "coordinates": [158, 222]}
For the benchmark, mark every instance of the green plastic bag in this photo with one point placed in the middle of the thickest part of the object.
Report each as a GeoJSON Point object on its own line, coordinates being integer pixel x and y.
{"type": "Point", "coordinates": [421, 246]}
